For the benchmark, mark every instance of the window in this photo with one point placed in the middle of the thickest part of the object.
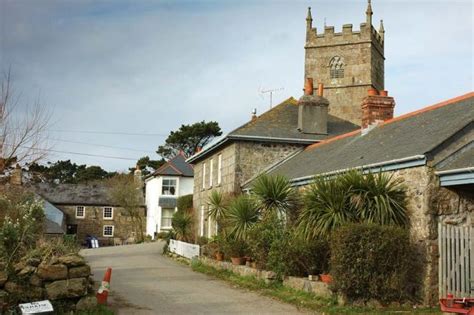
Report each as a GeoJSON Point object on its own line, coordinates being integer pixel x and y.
{"type": "Point", "coordinates": [336, 67]}
{"type": "Point", "coordinates": [211, 171]}
{"type": "Point", "coordinates": [168, 187]}
{"type": "Point", "coordinates": [108, 231]}
{"type": "Point", "coordinates": [204, 175]}
{"type": "Point", "coordinates": [108, 213]}
{"type": "Point", "coordinates": [219, 169]}
{"type": "Point", "coordinates": [80, 212]}
{"type": "Point", "coordinates": [166, 218]}
{"type": "Point", "coordinates": [209, 227]}
{"type": "Point", "coordinates": [201, 233]}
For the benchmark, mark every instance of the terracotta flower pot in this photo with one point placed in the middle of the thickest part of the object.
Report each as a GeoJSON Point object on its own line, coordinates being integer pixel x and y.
{"type": "Point", "coordinates": [219, 256]}
{"type": "Point", "coordinates": [238, 260]}
{"type": "Point", "coordinates": [325, 278]}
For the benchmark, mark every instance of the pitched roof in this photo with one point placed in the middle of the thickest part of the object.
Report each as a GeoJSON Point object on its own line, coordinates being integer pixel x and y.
{"type": "Point", "coordinates": [460, 160]}
{"type": "Point", "coordinates": [177, 166]}
{"type": "Point", "coordinates": [278, 124]}
{"type": "Point", "coordinates": [94, 194]}
{"type": "Point", "coordinates": [413, 134]}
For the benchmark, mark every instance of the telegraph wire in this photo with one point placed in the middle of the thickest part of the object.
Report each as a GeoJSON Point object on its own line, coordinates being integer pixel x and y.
{"type": "Point", "coordinates": [111, 133]}
{"type": "Point", "coordinates": [102, 145]}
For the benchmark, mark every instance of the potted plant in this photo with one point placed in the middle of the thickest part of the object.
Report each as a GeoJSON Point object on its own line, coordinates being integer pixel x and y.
{"type": "Point", "coordinates": [216, 248]}
{"type": "Point", "coordinates": [236, 249]}
{"type": "Point", "coordinates": [326, 278]}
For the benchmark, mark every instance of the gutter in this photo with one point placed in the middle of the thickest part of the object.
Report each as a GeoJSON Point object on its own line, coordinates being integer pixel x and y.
{"type": "Point", "coordinates": [396, 164]}
{"type": "Point", "coordinates": [457, 170]}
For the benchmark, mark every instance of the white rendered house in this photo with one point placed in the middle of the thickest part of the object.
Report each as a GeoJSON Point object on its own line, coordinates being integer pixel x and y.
{"type": "Point", "coordinates": [173, 179]}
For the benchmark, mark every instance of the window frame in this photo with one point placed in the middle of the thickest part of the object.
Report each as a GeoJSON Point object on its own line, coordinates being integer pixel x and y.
{"type": "Point", "coordinates": [204, 176]}
{"type": "Point", "coordinates": [103, 230]}
{"type": "Point", "coordinates": [111, 212]}
{"type": "Point", "coordinates": [211, 172]}
{"type": "Point", "coordinates": [201, 232]}
{"type": "Point", "coordinates": [83, 212]}
{"type": "Point", "coordinates": [171, 217]}
{"type": "Point", "coordinates": [175, 185]}
{"type": "Point", "coordinates": [219, 169]}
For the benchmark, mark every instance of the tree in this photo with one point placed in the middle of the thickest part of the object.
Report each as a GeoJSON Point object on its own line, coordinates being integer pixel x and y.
{"type": "Point", "coordinates": [66, 172]}
{"type": "Point", "coordinates": [189, 139]}
{"type": "Point", "coordinates": [23, 129]}
{"type": "Point", "coordinates": [127, 192]}
{"type": "Point", "coordinates": [147, 165]}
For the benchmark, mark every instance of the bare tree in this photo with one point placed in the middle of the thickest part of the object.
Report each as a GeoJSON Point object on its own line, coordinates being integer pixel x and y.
{"type": "Point", "coordinates": [23, 129]}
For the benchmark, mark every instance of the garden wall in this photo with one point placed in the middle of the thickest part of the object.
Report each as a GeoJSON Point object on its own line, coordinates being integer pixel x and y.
{"type": "Point", "coordinates": [65, 281]}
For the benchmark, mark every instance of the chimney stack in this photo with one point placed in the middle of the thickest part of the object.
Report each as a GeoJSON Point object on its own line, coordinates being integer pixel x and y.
{"type": "Point", "coordinates": [377, 106]}
{"type": "Point", "coordinates": [313, 110]}
{"type": "Point", "coordinates": [137, 175]}
{"type": "Point", "coordinates": [254, 114]}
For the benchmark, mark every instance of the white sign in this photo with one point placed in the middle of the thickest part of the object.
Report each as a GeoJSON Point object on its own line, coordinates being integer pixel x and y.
{"type": "Point", "coordinates": [36, 307]}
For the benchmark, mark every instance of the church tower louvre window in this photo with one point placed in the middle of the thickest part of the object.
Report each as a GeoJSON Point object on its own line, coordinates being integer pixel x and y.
{"type": "Point", "coordinates": [336, 67]}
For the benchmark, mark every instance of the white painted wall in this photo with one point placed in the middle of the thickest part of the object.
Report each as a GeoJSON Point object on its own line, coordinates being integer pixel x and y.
{"type": "Point", "coordinates": [153, 187]}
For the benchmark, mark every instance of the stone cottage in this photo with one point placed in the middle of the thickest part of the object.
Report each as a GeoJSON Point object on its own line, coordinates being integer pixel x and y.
{"type": "Point", "coordinates": [89, 210]}
{"type": "Point", "coordinates": [432, 150]}
{"type": "Point", "coordinates": [162, 190]}
{"type": "Point", "coordinates": [346, 64]}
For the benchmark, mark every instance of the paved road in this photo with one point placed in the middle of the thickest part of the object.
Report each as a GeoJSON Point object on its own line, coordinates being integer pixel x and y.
{"type": "Point", "coordinates": [145, 282]}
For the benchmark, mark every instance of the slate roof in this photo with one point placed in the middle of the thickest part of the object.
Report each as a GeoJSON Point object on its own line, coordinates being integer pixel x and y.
{"type": "Point", "coordinates": [409, 135]}
{"type": "Point", "coordinates": [279, 124]}
{"type": "Point", "coordinates": [177, 166]}
{"type": "Point", "coordinates": [464, 159]}
{"type": "Point", "coordinates": [75, 194]}
{"type": "Point", "coordinates": [167, 202]}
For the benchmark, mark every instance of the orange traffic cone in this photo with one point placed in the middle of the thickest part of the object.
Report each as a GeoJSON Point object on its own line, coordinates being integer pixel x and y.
{"type": "Point", "coordinates": [103, 291]}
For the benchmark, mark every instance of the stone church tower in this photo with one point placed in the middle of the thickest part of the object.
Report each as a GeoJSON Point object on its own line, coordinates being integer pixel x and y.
{"type": "Point", "coordinates": [347, 63]}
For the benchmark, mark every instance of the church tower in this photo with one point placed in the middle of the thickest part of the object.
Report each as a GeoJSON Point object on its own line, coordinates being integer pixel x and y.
{"type": "Point", "coordinates": [347, 63]}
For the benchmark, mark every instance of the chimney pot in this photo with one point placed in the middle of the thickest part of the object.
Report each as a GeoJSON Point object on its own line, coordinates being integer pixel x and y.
{"type": "Point", "coordinates": [320, 89]}
{"type": "Point", "coordinates": [383, 93]}
{"type": "Point", "coordinates": [373, 92]}
{"type": "Point", "coordinates": [308, 86]}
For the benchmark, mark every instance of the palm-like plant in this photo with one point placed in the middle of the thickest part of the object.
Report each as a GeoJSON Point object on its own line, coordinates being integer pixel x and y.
{"type": "Point", "coordinates": [240, 216]}
{"type": "Point", "coordinates": [217, 205]}
{"type": "Point", "coordinates": [326, 206]}
{"type": "Point", "coordinates": [182, 224]}
{"type": "Point", "coordinates": [274, 194]}
{"type": "Point", "coordinates": [378, 198]}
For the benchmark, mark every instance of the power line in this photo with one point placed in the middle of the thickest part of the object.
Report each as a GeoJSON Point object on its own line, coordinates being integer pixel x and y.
{"type": "Point", "coordinates": [102, 145]}
{"type": "Point", "coordinates": [111, 132]}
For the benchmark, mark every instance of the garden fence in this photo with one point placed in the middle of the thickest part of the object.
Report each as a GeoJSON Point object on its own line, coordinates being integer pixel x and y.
{"type": "Point", "coordinates": [184, 249]}
{"type": "Point", "coordinates": [456, 260]}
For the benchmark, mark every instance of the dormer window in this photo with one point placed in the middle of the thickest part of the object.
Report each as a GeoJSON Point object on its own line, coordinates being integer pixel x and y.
{"type": "Point", "coordinates": [168, 187]}
{"type": "Point", "coordinates": [336, 67]}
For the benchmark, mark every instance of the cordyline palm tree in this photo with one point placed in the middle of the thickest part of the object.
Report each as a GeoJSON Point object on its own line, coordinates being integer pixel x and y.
{"type": "Point", "coordinates": [274, 195]}
{"type": "Point", "coordinates": [182, 224]}
{"type": "Point", "coordinates": [218, 205]}
{"type": "Point", "coordinates": [240, 216]}
{"type": "Point", "coordinates": [352, 197]}
{"type": "Point", "coordinates": [327, 206]}
{"type": "Point", "coordinates": [378, 198]}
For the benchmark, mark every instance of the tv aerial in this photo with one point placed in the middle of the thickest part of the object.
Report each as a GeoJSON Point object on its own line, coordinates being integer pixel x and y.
{"type": "Point", "coordinates": [270, 91]}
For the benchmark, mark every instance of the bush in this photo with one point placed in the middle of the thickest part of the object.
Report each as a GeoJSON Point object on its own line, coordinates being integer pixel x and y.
{"type": "Point", "coordinates": [185, 203]}
{"type": "Point", "coordinates": [371, 261]}
{"type": "Point", "coordinates": [161, 235]}
{"type": "Point", "coordinates": [261, 237]}
{"type": "Point", "coordinates": [234, 247]}
{"type": "Point", "coordinates": [292, 255]}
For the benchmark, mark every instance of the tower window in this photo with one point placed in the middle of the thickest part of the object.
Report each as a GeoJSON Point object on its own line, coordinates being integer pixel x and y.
{"type": "Point", "coordinates": [336, 67]}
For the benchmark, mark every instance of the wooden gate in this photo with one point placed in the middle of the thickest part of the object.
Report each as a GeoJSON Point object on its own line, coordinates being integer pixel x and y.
{"type": "Point", "coordinates": [456, 260]}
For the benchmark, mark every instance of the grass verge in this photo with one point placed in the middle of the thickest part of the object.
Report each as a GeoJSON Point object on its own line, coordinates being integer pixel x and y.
{"type": "Point", "coordinates": [98, 310]}
{"type": "Point", "coordinates": [299, 298]}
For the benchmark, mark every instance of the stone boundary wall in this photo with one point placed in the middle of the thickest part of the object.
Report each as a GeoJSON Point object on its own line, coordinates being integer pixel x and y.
{"type": "Point", "coordinates": [317, 287]}
{"type": "Point", "coordinates": [65, 281]}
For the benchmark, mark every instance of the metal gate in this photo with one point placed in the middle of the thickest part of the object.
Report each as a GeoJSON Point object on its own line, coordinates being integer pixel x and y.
{"type": "Point", "coordinates": [456, 260]}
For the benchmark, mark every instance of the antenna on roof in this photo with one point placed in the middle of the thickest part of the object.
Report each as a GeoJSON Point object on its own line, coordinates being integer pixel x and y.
{"type": "Point", "coordinates": [271, 91]}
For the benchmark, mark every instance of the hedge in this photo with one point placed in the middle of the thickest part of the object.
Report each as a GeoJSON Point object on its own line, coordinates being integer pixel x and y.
{"type": "Point", "coordinates": [370, 261]}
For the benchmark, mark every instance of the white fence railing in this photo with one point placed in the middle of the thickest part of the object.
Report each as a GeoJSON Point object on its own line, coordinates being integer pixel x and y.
{"type": "Point", "coordinates": [184, 249]}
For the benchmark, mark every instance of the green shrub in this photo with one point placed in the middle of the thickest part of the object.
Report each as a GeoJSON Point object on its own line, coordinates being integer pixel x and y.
{"type": "Point", "coordinates": [202, 240]}
{"type": "Point", "coordinates": [370, 261]}
{"type": "Point", "coordinates": [183, 225]}
{"type": "Point", "coordinates": [292, 255]}
{"type": "Point", "coordinates": [261, 237]}
{"type": "Point", "coordinates": [185, 203]}
{"type": "Point", "coordinates": [234, 247]}
{"type": "Point", "coordinates": [161, 235]}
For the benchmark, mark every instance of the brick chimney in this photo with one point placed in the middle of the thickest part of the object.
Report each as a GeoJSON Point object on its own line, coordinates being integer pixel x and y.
{"type": "Point", "coordinates": [16, 176]}
{"type": "Point", "coordinates": [313, 110]}
{"type": "Point", "coordinates": [376, 107]}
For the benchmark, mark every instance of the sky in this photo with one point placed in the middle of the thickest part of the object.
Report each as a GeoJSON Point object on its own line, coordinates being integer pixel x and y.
{"type": "Point", "coordinates": [108, 69]}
